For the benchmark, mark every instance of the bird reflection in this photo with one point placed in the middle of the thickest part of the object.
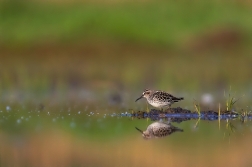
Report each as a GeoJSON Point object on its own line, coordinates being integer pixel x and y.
{"type": "Point", "coordinates": [159, 129]}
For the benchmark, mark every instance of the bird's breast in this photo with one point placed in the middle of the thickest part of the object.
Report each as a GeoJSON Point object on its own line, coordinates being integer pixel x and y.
{"type": "Point", "coordinates": [158, 103]}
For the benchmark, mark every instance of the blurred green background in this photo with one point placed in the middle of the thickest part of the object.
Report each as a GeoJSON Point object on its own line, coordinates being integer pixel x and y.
{"type": "Point", "coordinates": [125, 46]}
{"type": "Point", "coordinates": [62, 57]}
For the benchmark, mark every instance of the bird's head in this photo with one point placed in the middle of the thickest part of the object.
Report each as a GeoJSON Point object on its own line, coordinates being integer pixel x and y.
{"type": "Point", "coordinates": [146, 94]}
{"type": "Point", "coordinates": [146, 135]}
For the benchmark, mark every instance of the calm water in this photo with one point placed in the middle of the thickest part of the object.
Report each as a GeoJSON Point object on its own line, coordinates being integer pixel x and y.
{"type": "Point", "coordinates": [77, 135]}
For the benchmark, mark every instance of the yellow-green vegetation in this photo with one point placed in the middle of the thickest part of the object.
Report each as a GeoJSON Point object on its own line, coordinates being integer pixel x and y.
{"type": "Point", "coordinates": [197, 107]}
{"type": "Point", "coordinates": [242, 113]}
{"type": "Point", "coordinates": [230, 102]}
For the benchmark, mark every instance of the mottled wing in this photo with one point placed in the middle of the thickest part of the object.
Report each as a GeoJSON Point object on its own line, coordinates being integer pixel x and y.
{"type": "Point", "coordinates": [162, 96]}
{"type": "Point", "coordinates": [166, 96]}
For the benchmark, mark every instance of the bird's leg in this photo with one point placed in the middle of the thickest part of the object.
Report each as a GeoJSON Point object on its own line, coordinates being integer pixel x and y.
{"type": "Point", "coordinates": [169, 107]}
{"type": "Point", "coordinates": [147, 108]}
{"type": "Point", "coordinates": [169, 121]}
{"type": "Point", "coordinates": [161, 120]}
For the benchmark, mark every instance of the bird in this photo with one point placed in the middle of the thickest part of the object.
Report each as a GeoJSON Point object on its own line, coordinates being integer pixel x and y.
{"type": "Point", "coordinates": [159, 129]}
{"type": "Point", "coordinates": [159, 98]}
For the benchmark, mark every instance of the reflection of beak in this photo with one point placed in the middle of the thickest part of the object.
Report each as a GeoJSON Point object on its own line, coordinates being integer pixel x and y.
{"type": "Point", "coordinates": [139, 98]}
{"type": "Point", "coordinates": [139, 130]}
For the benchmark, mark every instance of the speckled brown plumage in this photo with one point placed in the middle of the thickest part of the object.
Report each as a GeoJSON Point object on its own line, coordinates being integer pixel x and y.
{"type": "Point", "coordinates": [159, 98]}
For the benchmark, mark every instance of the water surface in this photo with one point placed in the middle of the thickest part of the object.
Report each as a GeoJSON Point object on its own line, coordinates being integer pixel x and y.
{"type": "Point", "coordinates": [81, 136]}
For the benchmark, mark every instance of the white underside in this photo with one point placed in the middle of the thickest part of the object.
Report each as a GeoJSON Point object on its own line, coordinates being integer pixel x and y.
{"type": "Point", "coordinates": [159, 104]}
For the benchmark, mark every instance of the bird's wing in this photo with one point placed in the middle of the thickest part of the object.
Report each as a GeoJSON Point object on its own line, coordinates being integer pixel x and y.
{"type": "Point", "coordinates": [170, 96]}
{"type": "Point", "coordinates": [167, 95]}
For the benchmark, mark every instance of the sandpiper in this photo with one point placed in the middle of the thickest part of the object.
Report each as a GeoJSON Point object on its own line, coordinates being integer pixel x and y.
{"type": "Point", "coordinates": [159, 99]}
{"type": "Point", "coordinates": [159, 129]}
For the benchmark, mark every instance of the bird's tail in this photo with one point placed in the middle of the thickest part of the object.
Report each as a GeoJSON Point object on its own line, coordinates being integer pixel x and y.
{"type": "Point", "coordinates": [176, 99]}
{"type": "Point", "coordinates": [178, 129]}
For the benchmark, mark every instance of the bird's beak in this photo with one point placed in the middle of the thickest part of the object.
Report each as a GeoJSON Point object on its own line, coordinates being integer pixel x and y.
{"type": "Point", "coordinates": [139, 130]}
{"type": "Point", "coordinates": [139, 98]}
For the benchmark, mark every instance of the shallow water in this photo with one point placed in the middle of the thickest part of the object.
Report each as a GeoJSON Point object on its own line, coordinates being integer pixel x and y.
{"type": "Point", "coordinates": [82, 136]}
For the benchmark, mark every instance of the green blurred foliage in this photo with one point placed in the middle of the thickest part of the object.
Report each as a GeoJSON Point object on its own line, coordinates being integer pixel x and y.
{"type": "Point", "coordinates": [155, 22]}
{"type": "Point", "coordinates": [62, 47]}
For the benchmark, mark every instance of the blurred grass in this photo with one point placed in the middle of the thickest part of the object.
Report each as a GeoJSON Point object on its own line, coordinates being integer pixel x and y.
{"type": "Point", "coordinates": [158, 23]}
{"type": "Point", "coordinates": [61, 51]}
{"type": "Point", "coordinates": [43, 78]}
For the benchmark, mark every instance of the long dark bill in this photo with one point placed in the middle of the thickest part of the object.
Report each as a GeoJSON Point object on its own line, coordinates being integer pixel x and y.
{"type": "Point", "coordinates": [139, 98]}
{"type": "Point", "coordinates": [139, 130]}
